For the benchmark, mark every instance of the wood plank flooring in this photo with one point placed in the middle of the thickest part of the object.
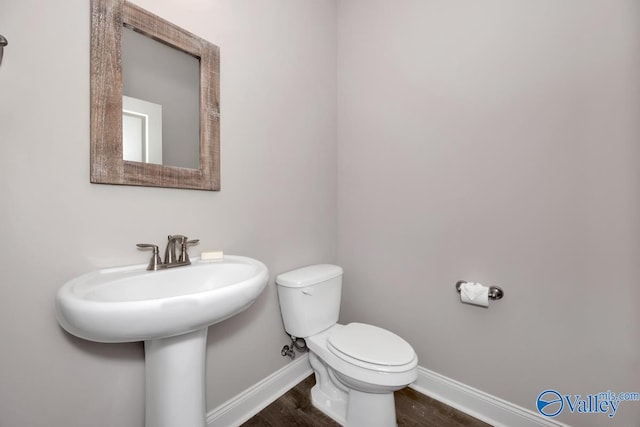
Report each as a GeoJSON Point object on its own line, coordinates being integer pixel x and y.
{"type": "Point", "coordinates": [413, 409]}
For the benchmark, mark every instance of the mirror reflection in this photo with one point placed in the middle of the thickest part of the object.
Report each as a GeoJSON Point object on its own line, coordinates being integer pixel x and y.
{"type": "Point", "coordinates": [141, 131]}
{"type": "Point", "coordinates": [161, 89]}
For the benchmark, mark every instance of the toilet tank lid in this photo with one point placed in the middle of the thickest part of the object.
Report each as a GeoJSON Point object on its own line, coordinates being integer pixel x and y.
{"type": "Point", "coordinates": [307, 276]}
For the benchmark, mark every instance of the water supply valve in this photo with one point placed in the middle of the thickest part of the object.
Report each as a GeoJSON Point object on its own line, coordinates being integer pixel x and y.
{"type": "Point", "coordinates": [286, 351]}
{"type": "Point", "coordinates": [296, 344]}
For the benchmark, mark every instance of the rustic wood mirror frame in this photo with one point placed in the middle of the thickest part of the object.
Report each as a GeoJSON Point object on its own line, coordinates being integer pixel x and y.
{"type": "Point", "coordinates": [108, 17]}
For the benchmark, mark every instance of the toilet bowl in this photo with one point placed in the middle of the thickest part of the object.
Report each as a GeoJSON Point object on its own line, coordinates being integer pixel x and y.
{"type": "Point", "coordinates": [360, 383]}
{"type": "Point", "coordinates": [357, 366]}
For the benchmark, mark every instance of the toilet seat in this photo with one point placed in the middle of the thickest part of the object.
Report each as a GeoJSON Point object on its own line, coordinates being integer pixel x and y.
{"type": "Point", "coordinates": [371, 347]}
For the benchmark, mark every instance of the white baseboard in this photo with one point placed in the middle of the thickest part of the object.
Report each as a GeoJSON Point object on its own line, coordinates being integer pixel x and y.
{"type": "Point", "coordinates": [478, 404]}
{"type": "Point", "coordinates": [240, 408]}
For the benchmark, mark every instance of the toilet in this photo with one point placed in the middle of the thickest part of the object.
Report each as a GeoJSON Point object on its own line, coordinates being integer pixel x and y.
{"type": "Point", "coordinates": [357, 366]}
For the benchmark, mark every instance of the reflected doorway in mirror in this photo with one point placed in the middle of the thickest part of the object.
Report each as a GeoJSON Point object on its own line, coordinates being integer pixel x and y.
{"type": "Point", "coordinates": [141, 131]}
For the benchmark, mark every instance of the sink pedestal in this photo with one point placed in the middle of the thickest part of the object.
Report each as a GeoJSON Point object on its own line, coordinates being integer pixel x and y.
{"type": "Point", "coordinates": [130, 304]}
{"type": "Point", "coordinates": [174, 380]}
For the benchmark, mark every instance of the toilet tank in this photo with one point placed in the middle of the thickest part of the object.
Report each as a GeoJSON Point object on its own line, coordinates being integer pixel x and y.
{"type": "Point", "coordinates": [310, 299]}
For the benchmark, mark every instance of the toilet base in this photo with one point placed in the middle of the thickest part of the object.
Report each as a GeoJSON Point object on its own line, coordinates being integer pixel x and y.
{"type": "Point", "coordinates": [364, 409]}
{"type": "Point", "coordinates": [328, 395]}
{"type": "Point", "coordinates": [372, 410]}
{"type": "Point", "coordinates": [336, 409]}
{"type": "Point", "coordinates": [347, 406]}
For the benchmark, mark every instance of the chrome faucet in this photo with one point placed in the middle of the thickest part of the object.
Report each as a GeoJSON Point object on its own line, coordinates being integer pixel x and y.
{"type": "Point", "coordinates": [170, 258]}
{"type": "Point", "coordinates": [170, 250]}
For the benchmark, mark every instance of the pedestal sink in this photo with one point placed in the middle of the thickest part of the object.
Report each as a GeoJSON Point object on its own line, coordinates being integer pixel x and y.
{"type": "Point", "coordinates": [170, 310]}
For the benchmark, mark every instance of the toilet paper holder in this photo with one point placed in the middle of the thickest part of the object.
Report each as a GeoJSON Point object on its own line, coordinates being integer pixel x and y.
{"type": "Point", "coordinates": [495, 292]}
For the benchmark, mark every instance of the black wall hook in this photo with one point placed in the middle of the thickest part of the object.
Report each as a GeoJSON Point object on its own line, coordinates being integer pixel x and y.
{"type": "Point", "coordinates": [3, 43]}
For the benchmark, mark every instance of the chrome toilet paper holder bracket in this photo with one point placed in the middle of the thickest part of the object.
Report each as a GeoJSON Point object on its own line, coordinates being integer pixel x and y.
{"type": "Point", "coordinates": [495, 292]}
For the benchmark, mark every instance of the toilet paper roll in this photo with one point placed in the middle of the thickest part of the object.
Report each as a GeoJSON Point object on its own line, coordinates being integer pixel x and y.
{"type": "Point", "coordinates": [474, 293]}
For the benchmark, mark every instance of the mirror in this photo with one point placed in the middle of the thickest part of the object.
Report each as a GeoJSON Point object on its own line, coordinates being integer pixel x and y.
{"type": "Point", "coordinates": [152, 123]}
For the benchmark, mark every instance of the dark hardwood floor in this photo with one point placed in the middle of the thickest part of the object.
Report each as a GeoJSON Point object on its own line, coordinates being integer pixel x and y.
{"type": "Point", "coordinates": [413, 409]}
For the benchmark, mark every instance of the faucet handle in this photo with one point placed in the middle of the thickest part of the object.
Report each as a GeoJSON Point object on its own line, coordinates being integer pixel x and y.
{"type": "Point", "coordinates": [155, 263]}
{"type": "Point", "coordinates": [148, 246]}
{"type": "Point", "coordinates": [184, 255]}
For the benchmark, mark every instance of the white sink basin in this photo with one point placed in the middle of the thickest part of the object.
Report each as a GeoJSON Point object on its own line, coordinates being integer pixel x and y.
{"type": "Point", "coordinates": [127, 304]}
{"type": "Point", "coordinates": [170, 310]}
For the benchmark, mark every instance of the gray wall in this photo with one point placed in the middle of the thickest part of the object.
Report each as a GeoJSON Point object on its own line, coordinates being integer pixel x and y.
{"type": "Point", "coordinates": [496, 141]}
{"type": "Point", "coordinates": [277, 204]}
